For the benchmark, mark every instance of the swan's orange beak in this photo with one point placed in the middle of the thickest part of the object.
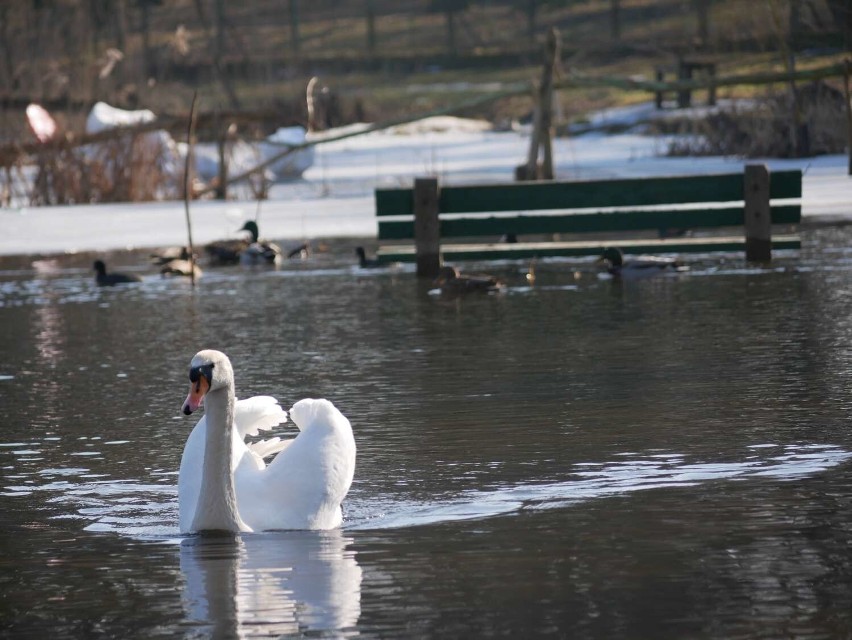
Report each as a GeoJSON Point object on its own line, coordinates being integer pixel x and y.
{"type": "Point", "coordinates": [197, 391]}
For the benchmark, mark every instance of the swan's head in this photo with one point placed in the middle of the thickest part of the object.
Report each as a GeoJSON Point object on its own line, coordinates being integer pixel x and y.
{"type": "Point", "coordinates": [209, 370]}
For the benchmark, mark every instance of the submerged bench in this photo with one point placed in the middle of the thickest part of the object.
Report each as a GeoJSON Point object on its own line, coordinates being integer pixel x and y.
{"type": "Point", "coordinates": [428, 215]}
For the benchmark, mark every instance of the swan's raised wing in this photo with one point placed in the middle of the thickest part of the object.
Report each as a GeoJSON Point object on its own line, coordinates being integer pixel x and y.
{"type": "Point", "coordinates": [256, 414]}
{"type": "Point", "coordinates": [259, 413]}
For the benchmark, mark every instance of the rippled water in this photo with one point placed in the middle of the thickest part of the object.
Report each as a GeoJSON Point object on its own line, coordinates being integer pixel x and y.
{"type": "Point", "coordinates": [581, 458]}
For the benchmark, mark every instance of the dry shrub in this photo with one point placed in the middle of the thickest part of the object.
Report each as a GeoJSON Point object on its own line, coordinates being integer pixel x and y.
{"type": "Point", "coordinates": [126, 169]}
{"type": "Point", "coordinates": [767, 127]}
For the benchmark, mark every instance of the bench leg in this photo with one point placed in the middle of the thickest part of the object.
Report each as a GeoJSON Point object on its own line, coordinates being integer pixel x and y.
{"type": "Point", "coordinates": [758, 218]}
{"type": "Point", "coordinates": [427, 227]}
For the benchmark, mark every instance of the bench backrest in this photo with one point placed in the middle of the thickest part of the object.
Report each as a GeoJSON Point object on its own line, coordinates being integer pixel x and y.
{"type": "Point", "coordinates": [631, 205]}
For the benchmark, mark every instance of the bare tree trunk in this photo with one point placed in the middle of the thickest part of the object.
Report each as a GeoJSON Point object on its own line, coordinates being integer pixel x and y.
{"type": "Point", "coordinates": [371, 28]}
{"type": "Point", "coordinates": [702, 12]}
{"type": "Point", "coordinates": [615, 19]}
{"type": "Point", "coordinates": [799, 134]}
{"type": "Point", "coordinates": [295, 43]}
{"type": "Point", "coordinates": [542, 135]}
{"type": "Point", "coordinates": [532, 10]}
{"type": "Point", "coordinates": [451, 31]}
{"type": "Point", "coordinates": [147, 52]}
{"type": "Point", "coordinates": [841, 11]}
{"type": "Point", "coordinates": [218, 54]}
{"type": "Point", "coordinates": [8, 79]}
{"type": "Point", "coordinates": [846, 94]}
{"type": "Point", "coordinates": [120, 25]}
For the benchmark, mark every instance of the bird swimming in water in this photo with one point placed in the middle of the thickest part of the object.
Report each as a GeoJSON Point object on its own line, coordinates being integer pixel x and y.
{"type": "Point", "coordinates": [185, 268]}
{"type": "Point", "coordinates": [176, 261]}
{"type": "Point", "coordinates": [104, 279]}
{"type": "Point", "coordinates": [160, 258]}
{"type": "Point", "coordinates": [228, 252]}
{"type": "Point", "coordinates": [641, 267]}
{"type": "Point", "coordinates": [451, 281]}
{"type": "Point", "coordinates": [364, 262]}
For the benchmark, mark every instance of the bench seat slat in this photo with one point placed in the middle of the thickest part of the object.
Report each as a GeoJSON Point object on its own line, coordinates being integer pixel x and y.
{"type": "Point", "coordinates": [405, 253]}
{"type": "Point", "coordinates": [589, 222]}
{"type": "Point", "coordinates": [527, 196]}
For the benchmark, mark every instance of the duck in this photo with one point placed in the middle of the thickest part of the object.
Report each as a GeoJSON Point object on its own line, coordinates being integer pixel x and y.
{"type": "Point", "coordinates": [104, 279]}
{"type": "Point", "coordinates": [160, 258]}
{"type": "Point", "coordinates": [364, 262]}
{"type": "Point", "coordinates": [185, 268]}
{"type": "Point", "coordinates": [264, 252]}
{"type": "Point", "coordinates": [301, 251]}
{"type": "Point", "coordinates": [641, 267]}
{"type": "Point", "coordinates": [226, 484]}
{"type": "Point", "coordinates": [451, 281]}
{"type": "Point", "coordinates": [176, 261]}
{"type": "Point", "coordinates": [229, 251]}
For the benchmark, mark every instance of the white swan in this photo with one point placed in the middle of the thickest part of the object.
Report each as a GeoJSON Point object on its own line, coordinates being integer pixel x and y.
{"type": "Point", "coordinates": [224, 483]}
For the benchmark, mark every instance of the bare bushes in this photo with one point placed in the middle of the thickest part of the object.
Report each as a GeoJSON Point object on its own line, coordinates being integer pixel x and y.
{"type": "Point", "coordinates": [773, 126]}
{"type": "Point", "coordinates": [130, 168]}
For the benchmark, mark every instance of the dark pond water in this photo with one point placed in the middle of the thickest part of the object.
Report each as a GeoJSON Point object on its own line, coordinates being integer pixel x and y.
{"type": "Point", "coordinates": [669, 458]}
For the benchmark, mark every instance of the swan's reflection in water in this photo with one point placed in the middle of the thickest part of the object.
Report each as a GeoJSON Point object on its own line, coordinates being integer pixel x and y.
{"type": "Point", "coordinates": [279, 583]}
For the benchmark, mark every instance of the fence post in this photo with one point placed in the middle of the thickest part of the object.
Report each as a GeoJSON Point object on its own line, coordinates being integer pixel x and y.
{"type": "Point", "coordinates": [758, 218]}
{"type": "Point", "coordinates": [427, 227]}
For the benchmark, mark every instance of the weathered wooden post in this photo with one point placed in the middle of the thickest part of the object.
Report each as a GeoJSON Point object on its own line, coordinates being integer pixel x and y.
{"type": "Point", "coordinates": [427, 227]}
{"type": "Point", "coordinates": [758, 218]}
{"type": "Point", "coordinates": [846, 94]}
{"type": "Point", "coordinates": [542, 134]}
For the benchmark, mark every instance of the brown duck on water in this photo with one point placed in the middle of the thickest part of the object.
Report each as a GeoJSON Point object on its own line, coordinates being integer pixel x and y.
{"type": "Point", "coordinates": [228, 252]}
{"type": "Point", "coordinates": [451, 281]}
{"type": "Point", "coordinates": [176, 261]}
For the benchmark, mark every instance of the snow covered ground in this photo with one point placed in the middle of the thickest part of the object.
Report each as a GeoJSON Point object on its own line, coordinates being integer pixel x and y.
{"type": "Point", "coordinates": [335, 196]}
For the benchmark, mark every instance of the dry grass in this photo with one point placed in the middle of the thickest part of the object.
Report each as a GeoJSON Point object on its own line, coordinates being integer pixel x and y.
{"type": "Point", "coordinates": [128, 169]}
{"type": "Point", "coordinates": [769, 127]}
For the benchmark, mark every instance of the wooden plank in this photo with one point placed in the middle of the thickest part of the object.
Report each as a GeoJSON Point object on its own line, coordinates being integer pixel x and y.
{"type": "Point", "coordinates": [785, 184]}
{"type": "Point", "coordinates": [526, 196]}
{"type": "Point", "coordinates": [525, 224]}
{"type": "Point", "coordinates": [406, 253]}
{"type": "Point", "coordinates": [394, 202]}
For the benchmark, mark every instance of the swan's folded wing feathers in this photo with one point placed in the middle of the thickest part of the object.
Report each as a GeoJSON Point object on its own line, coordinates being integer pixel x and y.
{"type": "Point", "coordinates": [257, 413]}
{"type": "Point", "coordinates": [309, 411]}
{"type": "Point", "coordinates": [265, 448]}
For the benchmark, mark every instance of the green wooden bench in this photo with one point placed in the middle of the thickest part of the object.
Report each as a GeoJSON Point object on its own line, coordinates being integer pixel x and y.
{"type": "Point", "coordinates": [613, 210]}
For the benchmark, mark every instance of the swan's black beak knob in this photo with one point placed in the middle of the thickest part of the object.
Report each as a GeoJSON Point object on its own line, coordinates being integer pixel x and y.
{"type": "Point", "coordinates": [199, 384]}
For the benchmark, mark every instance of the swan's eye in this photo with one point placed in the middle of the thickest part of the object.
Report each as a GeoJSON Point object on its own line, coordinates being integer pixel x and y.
{"type": "Point", "coordinates": [205, 370]}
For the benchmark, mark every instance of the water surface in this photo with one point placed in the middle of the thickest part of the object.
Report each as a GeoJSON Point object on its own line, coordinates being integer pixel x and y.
{"type": "Point", "coordinates": [580, 458]}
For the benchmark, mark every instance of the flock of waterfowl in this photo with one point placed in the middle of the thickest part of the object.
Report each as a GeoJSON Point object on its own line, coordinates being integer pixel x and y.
{"type": "Point", "coordinates": [253, 251]}
{"type": "Point", "coordinates": [248, 250]}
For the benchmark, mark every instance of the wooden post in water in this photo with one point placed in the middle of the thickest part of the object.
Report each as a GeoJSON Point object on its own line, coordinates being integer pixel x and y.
{"type": "Point", "coordinates": [758, 218]}
{"type": "Point", "coordinates": [427, 227]}
{"type": "Point", "coordinates": [187, 184]}
{"type": "Point", "coordinates": [848, 100]}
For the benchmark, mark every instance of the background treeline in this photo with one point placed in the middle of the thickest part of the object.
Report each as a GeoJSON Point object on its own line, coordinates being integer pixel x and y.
{"type": "Point", "coordinates": [378, 57]}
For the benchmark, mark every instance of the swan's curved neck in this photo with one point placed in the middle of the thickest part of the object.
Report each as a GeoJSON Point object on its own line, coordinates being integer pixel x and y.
{"type": "Point", "coordinates": [217, 502]}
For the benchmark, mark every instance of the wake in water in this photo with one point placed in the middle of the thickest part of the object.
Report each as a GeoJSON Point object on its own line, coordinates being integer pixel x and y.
{"type": "Point", "coordinates": [150, 510]}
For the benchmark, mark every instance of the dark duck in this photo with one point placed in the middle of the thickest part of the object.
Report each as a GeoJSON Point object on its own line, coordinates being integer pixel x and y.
{"type": "Point", "coordinates": [640, 267]}
{"type": "Point", "coordinates": [104, 279]}
{"type": "Point", "coordinates": [451, 281]}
